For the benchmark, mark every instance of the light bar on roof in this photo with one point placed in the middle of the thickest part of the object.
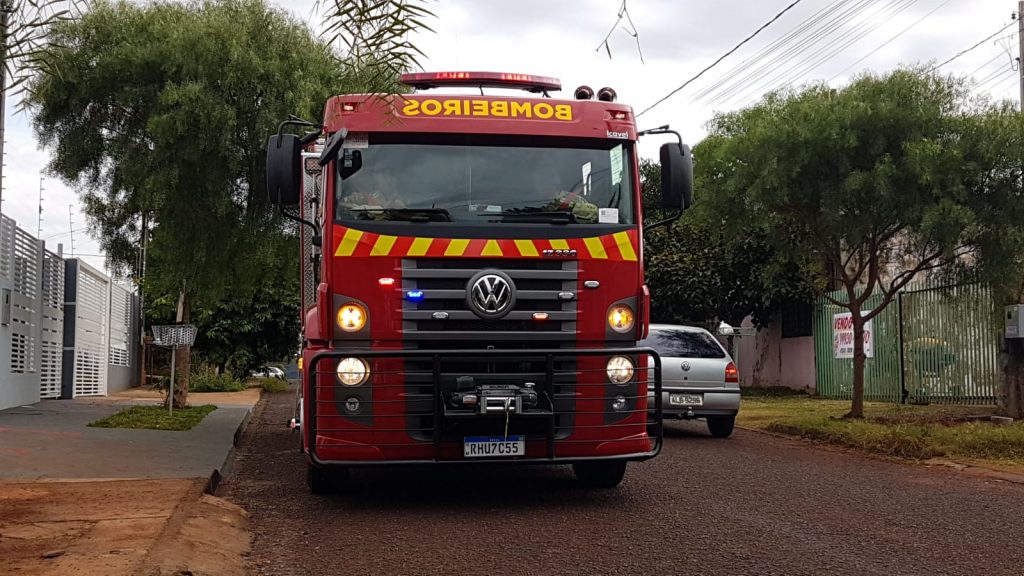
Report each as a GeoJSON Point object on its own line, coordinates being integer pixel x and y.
{"type": "Point", "coordinates": [528, 82]}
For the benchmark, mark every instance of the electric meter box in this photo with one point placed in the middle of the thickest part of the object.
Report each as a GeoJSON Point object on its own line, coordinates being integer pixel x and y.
{"type": "Point", "coordinates": [1015, 321]}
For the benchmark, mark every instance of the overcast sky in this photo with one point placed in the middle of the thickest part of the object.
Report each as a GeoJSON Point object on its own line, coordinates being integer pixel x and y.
{"type": "Point", "coordinates": [677, 38]}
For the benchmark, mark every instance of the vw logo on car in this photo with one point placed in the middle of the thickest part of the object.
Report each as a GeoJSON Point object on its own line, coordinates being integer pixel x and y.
{"type": "Point", "coordinates": [491, 294]}
{"type": "Point", "coordinates": [685, 366]}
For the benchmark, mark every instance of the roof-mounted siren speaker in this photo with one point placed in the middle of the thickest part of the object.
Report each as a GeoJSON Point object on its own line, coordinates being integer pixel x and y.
{"type": "Point", "coordinates": [606, 94]}
{"type": "Point", "coordinates": [584, 93]}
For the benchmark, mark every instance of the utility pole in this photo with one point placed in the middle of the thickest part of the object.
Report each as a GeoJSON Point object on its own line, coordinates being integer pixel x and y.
{"type": "Point", "coordinates": [142, 302]}
{"type": "Point", "coordinates": [1020, 53]}
{"type": "Point", "coordinates": [71, 227]}
{"type": "Point", "coordinates": [6, 6]}
{"type": "Point", "coordinates": [39, 222]}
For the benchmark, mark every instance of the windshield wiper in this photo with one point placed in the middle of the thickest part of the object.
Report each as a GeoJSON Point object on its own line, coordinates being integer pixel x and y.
{"type": "Point", "coordinates": [406, 214]}
{"type": "Point", "coordinates": [537, 217]}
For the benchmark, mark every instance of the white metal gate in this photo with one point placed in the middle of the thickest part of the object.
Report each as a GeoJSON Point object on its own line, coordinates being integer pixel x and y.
{"type": "Point", "coordinates": [91, 332]}
{"type": "Point", "coordinates": [120, 325]}
{"type": "Point", "coordinates": [52, 329]}
{"type": "Point", "coordinates": [25, 303]}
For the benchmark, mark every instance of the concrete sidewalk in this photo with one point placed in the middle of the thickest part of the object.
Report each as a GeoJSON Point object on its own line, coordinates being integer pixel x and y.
{"type": "Point", "coordinates": [51, 440]}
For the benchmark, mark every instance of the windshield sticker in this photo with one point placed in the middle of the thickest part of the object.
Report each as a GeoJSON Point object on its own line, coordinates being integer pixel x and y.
{"type": "Point", "coordinates": [357, 140]}
{"type": "Point", "coordinates": [608, 216]}
{"type": "Point", "coordinates": [615, 156]}
{"type": "Point", "coordinates": [586, 179]}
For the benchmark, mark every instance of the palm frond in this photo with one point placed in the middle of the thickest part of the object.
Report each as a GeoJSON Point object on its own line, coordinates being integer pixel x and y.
{"type": "Point", "coordinates": [375, 38]}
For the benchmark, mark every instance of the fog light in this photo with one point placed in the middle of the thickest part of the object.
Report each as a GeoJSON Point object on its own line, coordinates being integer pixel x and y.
{"type": "Point", "coordinates": [620, 369]}
{"type": "Point", "coordinates": [352, 371]}
{"type": "Point", "coordinates": [351, 404]}
{"type": "Point", "coordinates": [620, 403]}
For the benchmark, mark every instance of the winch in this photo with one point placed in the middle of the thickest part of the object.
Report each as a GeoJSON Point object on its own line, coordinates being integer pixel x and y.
{"type": "Point", "coordinates": [492, 398]}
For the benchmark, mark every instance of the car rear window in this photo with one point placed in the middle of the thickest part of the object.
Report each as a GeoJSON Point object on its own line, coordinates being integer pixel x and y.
{"type": "Point", "coordinates": [681, 344]}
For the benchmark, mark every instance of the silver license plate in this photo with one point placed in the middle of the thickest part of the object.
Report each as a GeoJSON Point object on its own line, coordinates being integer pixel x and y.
{"type": "Point", "coordinates": [686, 400]}
{"type": "Point", "coordinates": [494, 446]}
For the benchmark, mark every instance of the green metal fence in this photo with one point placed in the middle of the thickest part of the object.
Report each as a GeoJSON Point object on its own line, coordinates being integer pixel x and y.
{"type": "Point", "coordinates": [931, 344]}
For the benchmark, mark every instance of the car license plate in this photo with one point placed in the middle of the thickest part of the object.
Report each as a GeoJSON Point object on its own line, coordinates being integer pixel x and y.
{"type": "Point", "coordinates": [493, 446]}
{"type": "Point", "coordinates": [686, 400]}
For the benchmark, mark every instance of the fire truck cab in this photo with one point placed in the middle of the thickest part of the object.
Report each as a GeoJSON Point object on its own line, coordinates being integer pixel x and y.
{"type": "Point", "coordinates": [472, 277]}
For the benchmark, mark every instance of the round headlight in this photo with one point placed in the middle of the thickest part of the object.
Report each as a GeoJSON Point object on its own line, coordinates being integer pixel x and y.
{"type": "Point", "coordinates": [352, 371]}
{"type": "Point", "coordinates": [620, 369]}
{"type": "Point", "coordinates": [620, 318]}
{"type": "Point", "coordinates": [351, 317]}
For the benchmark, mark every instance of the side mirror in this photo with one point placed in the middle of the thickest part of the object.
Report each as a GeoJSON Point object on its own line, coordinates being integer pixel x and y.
{"type": "Point", "coordinates": [284, 169]}
{"type": "Point", "coordinates": [676, 176]}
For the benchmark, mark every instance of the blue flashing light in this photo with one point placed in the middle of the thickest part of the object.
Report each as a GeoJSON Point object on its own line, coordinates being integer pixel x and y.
{"type": "Point", "coordinates": [414, 295]}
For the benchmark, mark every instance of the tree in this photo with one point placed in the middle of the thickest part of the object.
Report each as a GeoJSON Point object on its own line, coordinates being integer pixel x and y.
{"type": "Point", "coordinates": [239, 334]}
{"type": "Point", "coordinates": [24, 37]}
{"type": "Point", "coordinates": [870, 186]}
{"type": "Point", "coordinates": [705, 269]}
{"type": "Point", "coordinates": [163, 110]}
{"type": "Point", "coordinates": [376, 36]}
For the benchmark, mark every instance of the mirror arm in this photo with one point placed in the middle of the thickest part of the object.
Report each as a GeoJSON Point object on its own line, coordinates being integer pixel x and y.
{"type": "Point", "coordinates": [296, 121]}
{"type": "Point", "coordinates": [667, 221]}
{"type": "Point", "coordinates": [662, 130]}
{"type": "Point", "coordinates": [316, 239]}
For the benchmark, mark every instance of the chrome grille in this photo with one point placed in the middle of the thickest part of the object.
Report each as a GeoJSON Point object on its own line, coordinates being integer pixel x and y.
{"type": "Point", "coordinates": [443, 282]}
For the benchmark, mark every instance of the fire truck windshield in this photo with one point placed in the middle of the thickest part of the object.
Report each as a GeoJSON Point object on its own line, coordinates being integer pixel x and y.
{"type": "Point", "coordinates": [485, 180]}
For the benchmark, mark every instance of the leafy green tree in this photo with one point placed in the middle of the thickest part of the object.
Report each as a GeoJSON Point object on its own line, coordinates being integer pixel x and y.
{"type": "Point", "coordinates": [705, 269]}
{"type": "Point", "coordinates": [870, 186]}
{"type": "Point", "coordinates": [160, 113]}
{"type": "Point", "coordinates": [240, 335]}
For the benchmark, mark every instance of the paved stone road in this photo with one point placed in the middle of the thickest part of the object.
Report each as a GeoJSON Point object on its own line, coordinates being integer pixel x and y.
{"type": "Point", "coordinates": [749, 505]}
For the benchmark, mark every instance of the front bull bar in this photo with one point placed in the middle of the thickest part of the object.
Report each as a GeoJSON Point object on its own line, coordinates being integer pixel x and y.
{"type": "Point", "coordinates": [548, 355]}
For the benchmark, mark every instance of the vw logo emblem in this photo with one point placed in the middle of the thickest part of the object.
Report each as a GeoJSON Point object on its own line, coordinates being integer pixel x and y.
{"type": "Point", "coordinates": [491, 294]}
{"type": "Point", "coordinates": [685, 366]}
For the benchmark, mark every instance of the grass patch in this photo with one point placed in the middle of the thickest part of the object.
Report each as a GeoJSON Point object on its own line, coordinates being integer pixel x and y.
{"type": "Point", "coordinates": [912, 432]}
{"type": "Point", "coordinates": [272, 385]}
{"type": "Point", "coordinates": [155, 418]}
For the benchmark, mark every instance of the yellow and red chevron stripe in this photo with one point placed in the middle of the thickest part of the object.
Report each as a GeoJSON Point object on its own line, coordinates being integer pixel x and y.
{"type": "Point", "coordinates": [620, 247]}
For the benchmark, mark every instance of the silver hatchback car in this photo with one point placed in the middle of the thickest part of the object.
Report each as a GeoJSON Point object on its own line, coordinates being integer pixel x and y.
{"type": "Point", "coordinates": [699, 378]}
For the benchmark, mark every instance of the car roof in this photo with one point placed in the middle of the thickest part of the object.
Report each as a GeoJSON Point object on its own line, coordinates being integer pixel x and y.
{"type": "Point", "coordinates": [677, 327]}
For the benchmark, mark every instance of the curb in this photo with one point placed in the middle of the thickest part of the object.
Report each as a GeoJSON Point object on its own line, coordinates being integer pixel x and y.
{"type": "Point", "coordinates": [218, 474]}
{"type": "Point", "coordinates": [970, 469]}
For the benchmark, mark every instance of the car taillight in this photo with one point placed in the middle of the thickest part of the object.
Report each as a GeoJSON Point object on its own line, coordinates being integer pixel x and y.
{"type": "Point", "coordinates": [731, 373]}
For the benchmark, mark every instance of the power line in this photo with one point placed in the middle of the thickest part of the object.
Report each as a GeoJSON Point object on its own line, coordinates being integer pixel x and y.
{"type": "Point", "coordinates": [836, 21]}
{"type": "Point", "coordinates": [746, 64]}
{"type": "Point", "coordinates": [978, 69]}
{"type": "Point", "coordinates": [891, 40]}
{"type": "Point", "coordinates": [58, 235]}
{"type": "Point", "coordinates": [830, 46]}
{"type": "Point", "coordinates": [723, 57]}
{"type": "Point", "coordinates": [845, 40]}
{"type": "Point", "coordinates": [962, 52]}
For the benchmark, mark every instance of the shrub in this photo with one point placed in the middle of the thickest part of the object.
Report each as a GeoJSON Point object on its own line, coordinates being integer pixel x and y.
{"type": "Point", "coordinates": [208, 380]}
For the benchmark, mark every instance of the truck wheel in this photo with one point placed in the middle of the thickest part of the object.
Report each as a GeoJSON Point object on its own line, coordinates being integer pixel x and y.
{"type": "Point", "coordinates": [721, 426]}
{"type": "Point", "coordinates": [326, 480]}
{"type": "Point", "coordinates": [600, 474]}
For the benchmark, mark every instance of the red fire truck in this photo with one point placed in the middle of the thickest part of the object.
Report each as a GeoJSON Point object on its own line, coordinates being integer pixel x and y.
{"type": "Point", "coordinates": [472, 276]}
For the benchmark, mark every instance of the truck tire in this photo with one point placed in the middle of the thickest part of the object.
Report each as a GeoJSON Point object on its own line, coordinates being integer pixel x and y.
{"type": "Point", "coordinates": [326, 480]}
{"type": "Point", "coordinates": [721, 426]}
{"type": "Point", "coordinates": [607, 474]}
